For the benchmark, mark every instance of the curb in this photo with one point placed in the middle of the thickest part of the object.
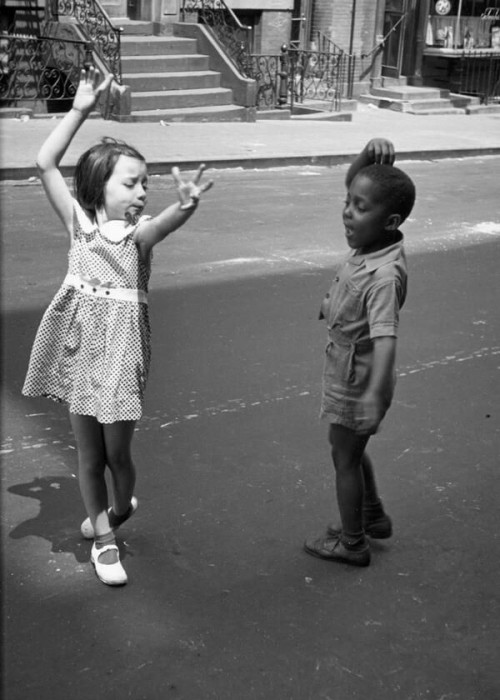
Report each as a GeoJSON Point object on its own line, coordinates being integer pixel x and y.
{"type": "Point", "coordinates": [262, 163]}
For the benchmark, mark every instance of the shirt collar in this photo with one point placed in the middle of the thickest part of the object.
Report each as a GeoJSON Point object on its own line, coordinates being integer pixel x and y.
{"type": "Point", "coordinates": [373, 261]}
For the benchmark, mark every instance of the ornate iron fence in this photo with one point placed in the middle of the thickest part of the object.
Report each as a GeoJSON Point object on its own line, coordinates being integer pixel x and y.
{"type": "Point", "coordinates": [37, 68]}
{"type": "Point", "coordinates": [479, 75]}
{"type": "Point", "coordinates": [297, 76]}
{"type": "Point", "coordinates": [233, 36]}
{"type": "Point", "coordinates": [97, 27]}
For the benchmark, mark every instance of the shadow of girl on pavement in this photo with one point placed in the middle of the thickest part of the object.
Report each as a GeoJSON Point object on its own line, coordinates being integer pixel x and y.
{"type": "Point", "coordinates": [59, 517]}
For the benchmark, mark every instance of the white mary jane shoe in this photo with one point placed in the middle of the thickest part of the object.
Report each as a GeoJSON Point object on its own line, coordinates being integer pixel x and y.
{"type": "Point", "coordinates": [110, 574]}
{"type": "Point", "coordinates": [88, 531]}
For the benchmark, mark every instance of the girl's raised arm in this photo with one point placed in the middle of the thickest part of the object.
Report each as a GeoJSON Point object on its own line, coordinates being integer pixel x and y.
{"type": "Point", "coordinates": [155, 230]}
{"type": "Point", "coordinates": [56, 144]}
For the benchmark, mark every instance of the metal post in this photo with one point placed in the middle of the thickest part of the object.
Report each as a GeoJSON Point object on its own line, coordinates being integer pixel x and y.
{"type": "Point", "coordinates": [351, 45]}
{"type": "Point", "coordinates": [283, 78]}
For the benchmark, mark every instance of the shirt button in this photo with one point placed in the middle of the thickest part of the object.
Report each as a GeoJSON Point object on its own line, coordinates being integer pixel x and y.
{"type": "Point", "coordinates": [107, 292]}
{"type": "Point", "coordinates": [94, 289]}
{"type": "Point", "coordinates": [328, 295]}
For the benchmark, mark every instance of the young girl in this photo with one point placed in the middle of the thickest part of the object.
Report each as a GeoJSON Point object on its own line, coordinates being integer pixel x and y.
{"type": "Point", "coordinates": [92, 349]}
{"type": "Point", "coordinates": [362, 313]}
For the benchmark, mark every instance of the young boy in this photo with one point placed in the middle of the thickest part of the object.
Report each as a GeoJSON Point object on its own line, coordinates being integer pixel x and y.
{"type": "Point", "coordinates": [362, 311]}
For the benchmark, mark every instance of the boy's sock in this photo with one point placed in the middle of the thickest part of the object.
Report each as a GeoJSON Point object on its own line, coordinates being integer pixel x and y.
{"type": "Point", "coordinates": [117, 520]}
{"type": "Point", "coordinates": [373, 511]}
{"type": "Point", "coordinates": [353, 540]}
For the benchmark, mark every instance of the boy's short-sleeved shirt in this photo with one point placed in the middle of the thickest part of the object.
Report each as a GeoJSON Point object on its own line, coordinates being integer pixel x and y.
{"type": "Point", "coordinates": [367, 294]}
{"type": "Point", "coordinates": [363, 303]}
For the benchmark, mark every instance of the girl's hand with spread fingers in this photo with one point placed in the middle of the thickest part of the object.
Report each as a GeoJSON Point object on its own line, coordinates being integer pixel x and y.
{"type": "Point", "coordinates": [190, 192]}
{"type": "Point", "coordinates": [89, 90]}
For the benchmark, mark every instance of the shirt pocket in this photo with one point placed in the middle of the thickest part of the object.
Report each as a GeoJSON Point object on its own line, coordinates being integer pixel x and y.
{"type": "Point", "coordinates": [347, 304]}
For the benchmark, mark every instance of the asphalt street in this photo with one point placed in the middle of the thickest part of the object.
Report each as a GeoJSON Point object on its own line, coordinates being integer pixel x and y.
{"type": "Point", "coordinates": [234, 470]}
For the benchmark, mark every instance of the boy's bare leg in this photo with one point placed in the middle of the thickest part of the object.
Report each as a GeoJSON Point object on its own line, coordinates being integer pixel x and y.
{"type": "Point", "coordinates": [347, 453]}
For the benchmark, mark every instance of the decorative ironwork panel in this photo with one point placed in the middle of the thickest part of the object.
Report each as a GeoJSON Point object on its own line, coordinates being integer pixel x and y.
{"type": "Point", "coordinates": [315, 75]}
{"type": "Point", "coordinates": [265, 71]}
{"type": "Point", "coordinates": [233, 36]}
{"type": "Point", "coordinates": [96, 24]}
{"type": "Point", "coordinates": [37, 68]}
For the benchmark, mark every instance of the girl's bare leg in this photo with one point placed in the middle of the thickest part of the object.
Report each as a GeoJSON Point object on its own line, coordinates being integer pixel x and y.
{"type": "Point", "coordinates": [117, 443]}
{"type": "Point", "coordinates": [91, 468]}
{"type": "Point", "coordinates": [347, 452]}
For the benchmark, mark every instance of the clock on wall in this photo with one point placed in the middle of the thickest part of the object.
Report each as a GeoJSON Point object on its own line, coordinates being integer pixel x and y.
{"type": "Point", "coordinates": [443, 7]}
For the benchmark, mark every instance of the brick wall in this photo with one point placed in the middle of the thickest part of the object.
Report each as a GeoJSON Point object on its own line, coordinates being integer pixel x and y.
{"type": "Point", "coordinates": [334, 17]}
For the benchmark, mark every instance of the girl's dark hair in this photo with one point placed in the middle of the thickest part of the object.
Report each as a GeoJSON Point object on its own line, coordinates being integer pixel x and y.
{"type": "Point", "coordinates": [94, 168]}
{"type": "Point", "coordinates": [393, 186]}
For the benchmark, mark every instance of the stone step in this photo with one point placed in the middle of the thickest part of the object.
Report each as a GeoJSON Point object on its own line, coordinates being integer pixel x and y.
{"type": "Point", "coordinates": [436, 110]}
{"type": "Point", "coordinates": [151, 45]}
{"type": "Point", "coordinates": [131, 27]}
{"type": "Point", "coordinates": [162, 64]}
{"type": "Point", "coordinates": [180, 99]}
{"type": "Point", "coordinates": [408, 92]}
{"type": "Point", "coordinates": [191, 80]}
{"type": "Point", "coordinates": [225, 113]}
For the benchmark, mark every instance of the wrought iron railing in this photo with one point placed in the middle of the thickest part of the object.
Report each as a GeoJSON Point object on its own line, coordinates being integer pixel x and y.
{"type": "Point", "coordinates": [97, 27]}
{"type": "Point", "coordinates": [40, 69]}
{"type": "Point", "coordinates": [479, 73]}
{"type": "Point", "coordinates": [233, 36]}
{"type": "Point", "coordinates": [296, 77]}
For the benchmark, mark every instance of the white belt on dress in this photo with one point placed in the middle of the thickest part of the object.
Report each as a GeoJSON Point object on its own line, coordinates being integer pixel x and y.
{"type": "Point", "coordinates": [96, 290]}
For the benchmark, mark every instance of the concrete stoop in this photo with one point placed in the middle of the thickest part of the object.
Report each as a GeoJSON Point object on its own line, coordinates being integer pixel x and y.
{"type": "Point", "coordinates": [418, 100]}
{"type": "Point", "coordinates": [168, 80]}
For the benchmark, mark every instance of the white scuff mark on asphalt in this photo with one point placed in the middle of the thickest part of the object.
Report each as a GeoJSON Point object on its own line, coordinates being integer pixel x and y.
{"type": "Point", "coordinates": [232, 406]}
{"type": "Point", "coordinates": [492, 228]}
{"type": "Point", "coordinates": [449, 359]}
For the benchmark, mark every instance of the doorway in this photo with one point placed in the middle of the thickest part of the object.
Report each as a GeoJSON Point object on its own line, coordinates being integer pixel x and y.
{"type": "Point", "coordinates": [394, 30]}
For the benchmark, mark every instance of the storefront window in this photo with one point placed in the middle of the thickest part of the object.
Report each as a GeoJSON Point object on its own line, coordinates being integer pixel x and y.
{"type": "Point", "coordinates": [463, 25]}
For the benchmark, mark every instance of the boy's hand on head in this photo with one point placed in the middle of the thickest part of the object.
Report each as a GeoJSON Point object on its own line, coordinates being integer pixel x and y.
{"type": "Point", "coordinates": [381, 151]}
{"type": "Point", "coordinates": [191, 191]}
{"type": "Point", "coordinates": [89, 89]}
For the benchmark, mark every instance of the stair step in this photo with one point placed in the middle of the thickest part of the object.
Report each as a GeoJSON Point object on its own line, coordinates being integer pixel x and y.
{"type": "Point", "coordinates": [162, 64]}
{"type": "Point", "coordinates": [226, 113]}
{"type": "Point", "coordinates": [147, 45]}
{"type": "Point", "coordinates": [177, 99]}
{"type": "Point", "coordinates": [131, 27]}
{"type": "Point", "coordinates": [408, 92]}
{"type": "Point", "coordinates": [191, 80]}
{"type": "Point", "coordinates": [436, 110]}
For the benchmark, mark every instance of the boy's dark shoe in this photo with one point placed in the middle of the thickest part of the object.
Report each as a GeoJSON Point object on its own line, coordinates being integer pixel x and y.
{"type": "Point", "coordinates": [377, 528]}
{"type": "Point", "coordinates": [333, 549]}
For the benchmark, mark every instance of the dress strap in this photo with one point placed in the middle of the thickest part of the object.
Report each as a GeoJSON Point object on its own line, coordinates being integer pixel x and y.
{"type": "Point", "coordinates": [96, 290]}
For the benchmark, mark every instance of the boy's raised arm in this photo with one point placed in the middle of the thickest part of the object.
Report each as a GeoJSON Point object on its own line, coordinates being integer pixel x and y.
{"type": "Point", "coordinates": [377, 150]}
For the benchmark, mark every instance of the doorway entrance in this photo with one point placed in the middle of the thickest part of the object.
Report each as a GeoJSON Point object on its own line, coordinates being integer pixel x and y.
{"type": "Point", "coordinates": [394, 29]}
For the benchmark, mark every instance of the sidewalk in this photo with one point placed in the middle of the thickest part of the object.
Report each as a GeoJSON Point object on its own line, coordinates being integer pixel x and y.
{"type": "Point", "coordinates": [261, 144]}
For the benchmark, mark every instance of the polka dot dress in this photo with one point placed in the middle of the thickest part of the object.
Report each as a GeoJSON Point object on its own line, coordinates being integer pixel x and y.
{"type": "Point", "coordinates": [92, 352]}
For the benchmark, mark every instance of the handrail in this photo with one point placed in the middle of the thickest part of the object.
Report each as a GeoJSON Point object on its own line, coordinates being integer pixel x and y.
{"type": "Point", "coordinates": [381, 43]}
{"type": "Point", "coordinates": [231, 34]}
{"type": "Point", "coordinates": [324, 39]}
{"type": "Point", "coordinates": [95, 23]}
{"type": "Point", "coordinates": [217, 4]}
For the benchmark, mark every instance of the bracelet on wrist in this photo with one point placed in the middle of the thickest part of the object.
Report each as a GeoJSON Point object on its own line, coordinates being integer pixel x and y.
{"type": "Point", "coordinates": [192, 204]}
